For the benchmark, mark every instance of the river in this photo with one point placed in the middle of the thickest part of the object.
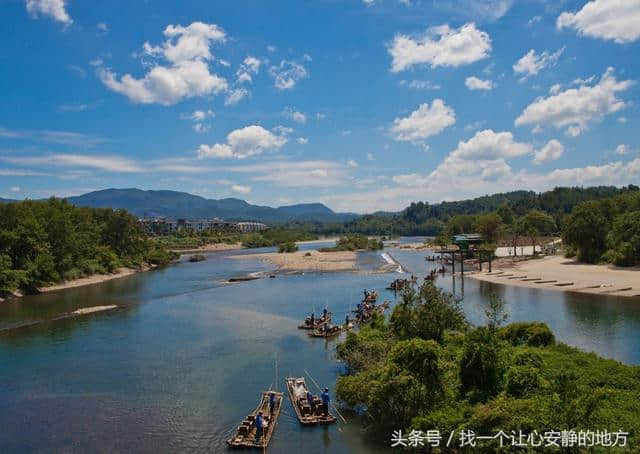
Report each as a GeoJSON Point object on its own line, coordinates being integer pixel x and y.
{"type": "Point", "coordinates": [185, 359]}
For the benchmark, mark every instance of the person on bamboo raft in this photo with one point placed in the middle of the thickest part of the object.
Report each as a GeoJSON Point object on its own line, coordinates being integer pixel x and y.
{"type": "Point", "coordinates": [325, 402]}
{"type": "Point", "coordinates": [259, 422]}
{"type": "Point", "coordinates": [272, 403]}
{"type": "Point", "coordinates": [312, 402]}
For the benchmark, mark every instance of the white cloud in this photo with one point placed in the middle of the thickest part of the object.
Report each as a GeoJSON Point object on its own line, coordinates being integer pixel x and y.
{"type": "Point", "coordinates": [531, 63]}
{"type": "Point", "coordinates": [102, 27]}
{"type": "Point", "coordinates": [473, 83]}
{"type": "Point", "coordinates": [15, 189]}
{"type": "Point", "coordinates": [555, 89]}
{"type": "Point", "coordinates": [250, 65]}
{"type": "Point", "coordinates": [622, 120]}
{"type": "Point", "coordinates": [534, 20]}
{"type": "Point", "coordinates": [235, 96]}
{"type": "Point", "coordinates": [490, 145]}
{"type": "Point", "coordinates": [244, 142]}
{"type": "Point", "coordinates": [287, 74]}
{"type": "Point", "coordinates": [615, 20]}
{"type": "Point", "coordinates": [299, 174]}
{"type": "Point", "coordinates": [187, 52]}
{"type": "Point", "coordinates": [352, 163]}
{"type": "Point", "coordinates": [198, 115]}
{"type": "Point", "coordinates": [55, 9]}
{"type": "Point", "coordinates": [623, 149]}
{"type": "Point", "coordinates": [426, 121]}
{"type": "Point", "coordinates": [420, 84]}
{"type": "Point", "coordinates": [302, 140]}
{"type": "Point", "coordinates": [241, 188]}
{"type": "Point", "coordinates": [346, 132]}
{"type": "Point", "coordinates": [550, 152]}
{"type": "Point", "coordinates": [370, 157]}
{"type": "Point", "coordinates": [576, 107]}
{"type": "Point", "coordinates": [440, 46]}
{"type": "Point", "coordinates": [107, 163]}
{"type": "Point", "coordinates": [298, 117]}
{"type": "Point", "coordinates": [200, 128]}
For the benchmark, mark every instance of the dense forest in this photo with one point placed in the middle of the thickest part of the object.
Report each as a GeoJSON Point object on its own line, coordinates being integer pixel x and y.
{"type": "Point", "coordinates": [428, 369]}
{"type": "Point", "coordinates": [421, 218]}
{"type": "Point", "coordinates": [45, 242]}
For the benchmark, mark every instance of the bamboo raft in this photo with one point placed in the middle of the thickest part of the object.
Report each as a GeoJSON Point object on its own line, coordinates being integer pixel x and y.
{"type": "Point", "coordinates": [317, 323]}
{"type": "Point", "coordinates": [245, 436]}
{"type": "Point", "coordinates": [331, 331]}
{"type": "Point", "coordinates": [367, 315]}
{"type": "Point", "coordinates": [371, 297]}
{"type": "Point", "coordinates": [297, 388]}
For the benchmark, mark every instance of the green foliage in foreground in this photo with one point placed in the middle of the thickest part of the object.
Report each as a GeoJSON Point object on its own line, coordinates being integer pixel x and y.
{"type": "Point", "coordinates": [405, 374]}
{"type": "Point", "coordinates": [45, 242]}
{"type": "Point", "coordinates": [355, 242]}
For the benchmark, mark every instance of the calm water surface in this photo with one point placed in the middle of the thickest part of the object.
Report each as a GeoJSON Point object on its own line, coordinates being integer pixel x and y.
{"type": "Point", "coordinates": [184, 361]}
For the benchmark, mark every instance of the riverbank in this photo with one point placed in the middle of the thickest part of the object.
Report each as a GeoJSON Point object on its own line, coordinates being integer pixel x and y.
{"type": "Point", "coordinates": [213, 247]}
{"type": "Point", "coordinates": [560, 273]}
{"type": "Point", "coordinates": [310, 261]}
{"type": "Point", "coordinates": [95, 279]}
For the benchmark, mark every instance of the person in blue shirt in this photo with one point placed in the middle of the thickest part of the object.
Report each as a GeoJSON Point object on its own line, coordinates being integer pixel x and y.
{"type": "Point", "coordinates": [272, 402]}
{"type": "Point", "coordinates": [312, 402]}
{"type": "Point", "coordinates": [259, 422]}
{"type": "Point", "coordinates": [324, 314]}
{"type": "Point", "coordinates": [325, 402]}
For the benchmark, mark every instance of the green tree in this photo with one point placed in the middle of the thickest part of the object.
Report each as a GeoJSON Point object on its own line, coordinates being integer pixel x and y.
{"type": "Point", "coordinates": [586, 229]}
{"type": "Point", "coordinates": [490, 226]}
{"type": "Point", "coordinates": [534, 224]}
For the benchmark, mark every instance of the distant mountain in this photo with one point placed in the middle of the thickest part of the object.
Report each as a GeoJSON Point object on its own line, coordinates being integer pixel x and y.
{"type": "Point", "coordinates": [174, 204]}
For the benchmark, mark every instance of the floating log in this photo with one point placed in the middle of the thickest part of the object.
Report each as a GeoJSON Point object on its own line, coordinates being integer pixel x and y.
{"type": "Point", "coordinates": [550, 281]}
{"type": "Point", "coordinates": [297, 388]}
{"type": "Point", "coordinates": [245, 436]}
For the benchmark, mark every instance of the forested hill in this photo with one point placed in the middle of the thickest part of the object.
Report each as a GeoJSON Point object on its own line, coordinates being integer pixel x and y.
{"type": "Point", "coordinates": [421, 218]}
{"type": "Point", "coordinates": [174, 204]}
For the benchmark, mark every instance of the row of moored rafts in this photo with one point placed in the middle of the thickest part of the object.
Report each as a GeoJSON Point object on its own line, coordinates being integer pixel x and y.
{"type": "Point", "coordinates": [309, 408]}
{"type": "Point", "coordinates": [322, 327]}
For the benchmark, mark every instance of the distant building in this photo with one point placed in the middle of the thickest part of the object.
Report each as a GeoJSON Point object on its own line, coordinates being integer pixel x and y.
{"type": "Point", "coordinates": [164, 226]}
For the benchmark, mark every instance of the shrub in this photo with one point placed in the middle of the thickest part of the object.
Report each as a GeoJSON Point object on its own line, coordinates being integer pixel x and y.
{"type": "Point", "coordinates": [289, 246]}
{"type": "Point", "coordinates": [528, 358]}
{"type": "Point", "coordinates": [533, 333]}
{"type": "Point", "coordinates": [482, 364]}
{"type": "Point", "coordinates": [522, 381]}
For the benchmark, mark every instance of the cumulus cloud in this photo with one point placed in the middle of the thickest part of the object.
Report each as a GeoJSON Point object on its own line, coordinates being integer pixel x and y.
{"type": "Point", "coordinates": [287, 74]}
{"type": "Point", "coordinates": [352, 163]}
{"type": "Point", "coordinates": [185, 74]}
{"type": "Point", "coordinates": [531, 63]}
{"type": "Point", "coordinates": [440, 46]}
{"type": "Point", "coordinates": [55, 9]}
{"type": "Point", "coordinates": [244, 142]}
{"type": "Point", "coordinates": [611, 20]}
{"type": "Point", "coordinates": [302, 140]}
{"type": "Point", "coordinates": [550, 152]}
{"type": "Point", "coordinates": [198, 115]}
{"type": "Point", "coordinates": [473, 83]}
{"type": "Point", "coordinates": [426, 121]}
{"type": "Point", "coordinates": [575, 108]}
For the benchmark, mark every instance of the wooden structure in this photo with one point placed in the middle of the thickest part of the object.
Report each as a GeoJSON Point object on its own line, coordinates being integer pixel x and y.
{"type": "Point", "coordinates": [317, 322]}
{"type": "Point", "coordinates": [398, 284]}
{"type": "Point", "coordinates": [307, 415]}
{"type": "Point", "coordinates": [367, 314]}
{"type": "Point", "coordinates": [371, 297]}
{"type": "Point", "coordinates": [246, 433]}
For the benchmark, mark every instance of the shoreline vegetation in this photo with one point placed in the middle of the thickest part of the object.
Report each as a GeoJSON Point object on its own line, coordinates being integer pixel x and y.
{"type": "Point", "coordinates": [427, 368]}
{"type": "Point", "coordinates": [51, 244]}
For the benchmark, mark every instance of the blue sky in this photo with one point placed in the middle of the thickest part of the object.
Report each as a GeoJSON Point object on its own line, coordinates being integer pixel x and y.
{"type": "Point", "coordinates": [360, 104]}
